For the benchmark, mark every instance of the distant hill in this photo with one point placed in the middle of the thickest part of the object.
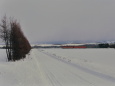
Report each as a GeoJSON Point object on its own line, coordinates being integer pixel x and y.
{"type": "Point", "coordinates": [72, 42]}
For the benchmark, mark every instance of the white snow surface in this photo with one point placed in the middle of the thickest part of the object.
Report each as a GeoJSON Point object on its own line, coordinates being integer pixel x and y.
{"type": "Point", "coordinates": [60, 67]}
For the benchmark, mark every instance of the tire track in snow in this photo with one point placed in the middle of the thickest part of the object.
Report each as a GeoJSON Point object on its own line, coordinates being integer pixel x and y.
{"type": "Point", "coordinates": [52, 76]}
{"type": "Point", "coordinates": [83, 79]}
{"type": "Point", "coordinates": [53, 79]}
{"type": "Point", "coordinates": [45, 82]}
{"type": "Point", "coordinates": [47, 76]}
{"type": "Point", "coordinates": [92, 72]}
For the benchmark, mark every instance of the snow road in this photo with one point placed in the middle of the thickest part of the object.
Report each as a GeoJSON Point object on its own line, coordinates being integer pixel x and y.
{"type": "Point", "coordinates": [57, 70]}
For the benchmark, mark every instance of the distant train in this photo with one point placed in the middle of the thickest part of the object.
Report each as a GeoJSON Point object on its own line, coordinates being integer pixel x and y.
{"type": "Point", "coordinates": [73, 46]}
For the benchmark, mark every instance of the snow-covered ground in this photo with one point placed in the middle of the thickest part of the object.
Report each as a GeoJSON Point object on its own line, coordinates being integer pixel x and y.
{"type": "Point", "coordinates": [60, 67]}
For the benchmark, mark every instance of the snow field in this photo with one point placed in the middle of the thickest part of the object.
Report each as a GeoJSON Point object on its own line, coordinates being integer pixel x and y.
{"type": "Point", "coordinates": [97, 62]}
{"type": "Point", "coordinates": [98, 59]}
{"type": "Point", "coordinates": [60, 67]}
{"type": "Point", "coordinates": [20, 73]}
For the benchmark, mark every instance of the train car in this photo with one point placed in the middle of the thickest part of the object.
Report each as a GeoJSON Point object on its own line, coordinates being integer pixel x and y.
{"type": "Point", "coordinates": [73, 46]}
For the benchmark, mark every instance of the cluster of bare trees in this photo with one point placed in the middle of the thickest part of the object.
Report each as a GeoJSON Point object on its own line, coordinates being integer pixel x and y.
{"type": "Point", "coordinates": [17, 46]}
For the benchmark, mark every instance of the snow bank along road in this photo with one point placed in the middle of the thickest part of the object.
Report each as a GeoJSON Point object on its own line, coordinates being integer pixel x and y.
{"type": "Point", "coordinates": [60, 67]}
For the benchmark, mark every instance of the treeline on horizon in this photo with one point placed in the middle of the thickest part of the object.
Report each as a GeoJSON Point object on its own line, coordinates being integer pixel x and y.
{"type": "Point", "coordinates": [88, 45]}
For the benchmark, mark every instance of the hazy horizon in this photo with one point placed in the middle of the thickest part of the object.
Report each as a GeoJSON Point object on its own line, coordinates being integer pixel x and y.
{"type": "Point", "coordinates": [59, 20]}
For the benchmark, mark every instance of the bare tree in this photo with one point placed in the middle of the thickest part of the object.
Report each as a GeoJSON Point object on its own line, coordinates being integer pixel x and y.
{"type": "Point", "coordinates": [17, 46]}
{"type": "Point", "coordinates": [5, 35]}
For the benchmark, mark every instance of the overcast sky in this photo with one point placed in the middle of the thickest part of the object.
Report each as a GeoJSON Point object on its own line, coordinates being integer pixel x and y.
{"type": "Point", "coordinates": [63, 20]}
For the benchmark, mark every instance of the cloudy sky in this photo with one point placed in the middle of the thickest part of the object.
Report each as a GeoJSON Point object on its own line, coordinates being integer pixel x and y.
{"type": "Point", "coordinates": [63, 20]}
